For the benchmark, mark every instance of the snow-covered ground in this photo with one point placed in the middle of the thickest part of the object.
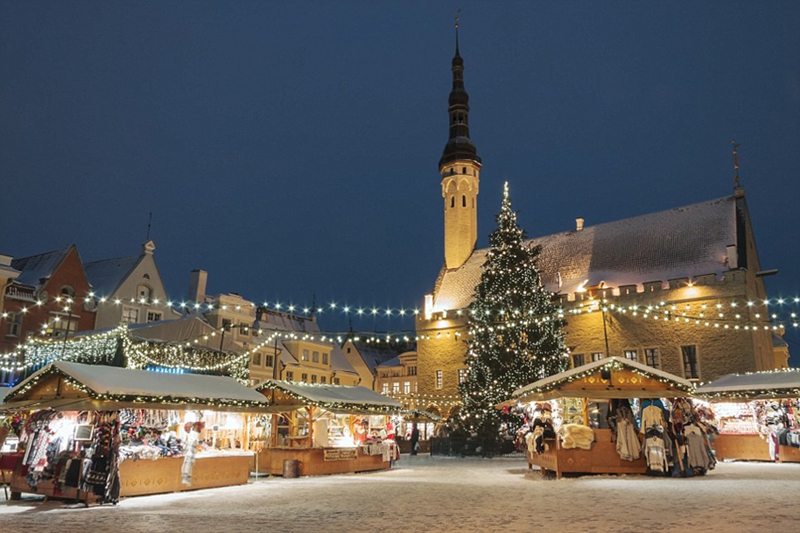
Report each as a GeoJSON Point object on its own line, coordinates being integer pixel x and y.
{"type": "Point", "coordinates": [425, 493]}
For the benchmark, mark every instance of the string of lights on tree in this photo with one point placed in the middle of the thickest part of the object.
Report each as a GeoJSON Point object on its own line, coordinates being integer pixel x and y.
{"type": "Point", "coordinates": [499, 361]}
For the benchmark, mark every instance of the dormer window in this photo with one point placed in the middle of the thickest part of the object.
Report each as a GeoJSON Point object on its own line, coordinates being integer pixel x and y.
{"type": "Point", "coordinates": [146, 276]}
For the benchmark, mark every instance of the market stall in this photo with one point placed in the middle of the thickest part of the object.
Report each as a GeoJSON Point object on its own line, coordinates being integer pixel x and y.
{"type": "Point", "coordinates": [582, 420]}
{"type": "Point", "coordinates": [97, 433]}
{"type": "Point", "coordinates": [757, 415]}
{"type": "Point", "coordinates": [325, 429]}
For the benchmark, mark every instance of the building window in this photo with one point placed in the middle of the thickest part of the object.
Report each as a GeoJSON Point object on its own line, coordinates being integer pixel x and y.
{"type": "Point", "coordinates": [67, 291]}
{"type": "Point", "coordinates": [315, 357]}
{"type": "Point", "coordinates": [578, 359]}
{"type": "Point", "coordinates": [143, 292]}
{"type": "Point", "coordinates": [651, 357]}
{"type": "Point", "coordinates": [690, 362]}
{"type": "Point", "coordinates": [407, 387]}
{"type": "Point", "coordinates": [335, 381]}
{"type": "Point", "coordinates": [14, 324]}
{"type": "Point", "coordinates": [256, 359]}
{"type": "Point", "coordinates": [385, 388]}
{"type": "Point", "coordinates": [153, 317]}
{"type": "Point", "coordinates": [452, 201]}
{"type": "Point", "coordinates": [630, 354]}
{"type": "Point", "coordinates": [463, 200]}
{"type": "Point", "coordinates": [60, 327]}
{"type": "Point", "coordinates": [305, 355]}
{"type": "Point", "coordinates": [313, 378]}
{"type": "Point", "coordinates": [269, 360]}
{"type": "Point", "coordinates": [462, 375]}
{"type": "Point", "coordinates": [439, 380]}
{"type": "Point", "coordinates": [396, 387]}
{"type": "Point", "coordinates": [304, 378]}
{"type": "Point", "coordinates": [597, 356]}
{"type": "Point", "coordinates": [411, 371]}
{"type": "Point", "coordinates": [324, 358]}
{"type": "Point", "coordinates": [323, 379]}
{"type": "Point", "coordinates": [289, 376]}
{"type": "Point", "coordinates": [130, 315]}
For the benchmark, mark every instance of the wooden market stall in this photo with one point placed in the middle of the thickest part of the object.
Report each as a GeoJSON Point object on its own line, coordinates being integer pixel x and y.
{"type": "Point", "coordinates": [161, 432]}
{"type": "Point", "coordinates": [325, 429]}
{"type": "Point", "coordinates": [757, 415]}
{"type": "Point", "coordinates": [609, 378]}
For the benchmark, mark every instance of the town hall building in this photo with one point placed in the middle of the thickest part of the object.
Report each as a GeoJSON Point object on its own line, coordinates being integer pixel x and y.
{"type": "Point", "coordinates": [669, 289]}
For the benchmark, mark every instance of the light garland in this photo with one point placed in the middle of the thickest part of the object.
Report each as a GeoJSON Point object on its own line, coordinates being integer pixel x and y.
{"type": "Point", "coordinates": [132, 398]}
{"type": "Point", "coordinates": [330, 406]}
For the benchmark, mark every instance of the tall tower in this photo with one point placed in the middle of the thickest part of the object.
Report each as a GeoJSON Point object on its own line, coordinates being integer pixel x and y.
{"type": "Point", "coordinates": [460, 168]}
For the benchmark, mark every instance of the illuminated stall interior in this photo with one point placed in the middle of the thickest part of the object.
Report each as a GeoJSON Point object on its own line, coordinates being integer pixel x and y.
{"type": "Point", "coordinates": [327, 428]}
{"type": "Point", "coordinates": [165, 432]}
{"type": "Point", "coordinates": [757, 415]}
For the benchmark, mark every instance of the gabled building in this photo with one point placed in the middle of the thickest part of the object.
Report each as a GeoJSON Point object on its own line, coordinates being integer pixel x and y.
{"type": "Point", "coordinates": [397, 378]}
{"type": "Point", "coordinates": [129, 289]}
{"type": "Point", "coordinates": [281, 345]}
{"type": "Point", "coordinates": [50, 297]}
{"type": "Point", "coordinates": [669, 289]}
{"type": "Point", "coordinates": [366, 355]}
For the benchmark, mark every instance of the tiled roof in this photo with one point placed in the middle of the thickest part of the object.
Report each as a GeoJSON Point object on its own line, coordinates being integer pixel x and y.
{"type": "Point", "coordinates": [681, 242]}
{"type": "Point", "coordinates": [107, 274]}
{"type": "Point", "coordinates": [35, 268]}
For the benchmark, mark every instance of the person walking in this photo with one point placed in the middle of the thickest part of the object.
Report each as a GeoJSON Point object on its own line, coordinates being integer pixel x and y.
{"type": "Point", "coordinates": [414, 438]}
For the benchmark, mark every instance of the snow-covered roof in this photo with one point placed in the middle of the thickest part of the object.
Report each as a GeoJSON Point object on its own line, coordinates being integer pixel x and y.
{"type": "Point", "coordinates": [755, 385]}
{"type": "Point", "coordinates": [548, 388]}
{"type": "Point", "coordinates": [107, 274]}
{"type": "Point", "coordinates": [394, 361]}
{"type": "Point", "coordinates": [778, 341]}
{"type": "Point", "coordinates": [115, 383]}
{"type": "Point", "coordinates": [36, 268]}
{"type": "Point", "coordinates": [332, 397]}
{"type": "Point", "coordinates": [379, 353]}
{"type": "Point", "coordinates": [678, 243]}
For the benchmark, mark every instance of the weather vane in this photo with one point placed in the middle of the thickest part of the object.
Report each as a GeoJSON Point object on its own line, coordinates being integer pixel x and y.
{"type": "Point", "coordinates": [735, 163]}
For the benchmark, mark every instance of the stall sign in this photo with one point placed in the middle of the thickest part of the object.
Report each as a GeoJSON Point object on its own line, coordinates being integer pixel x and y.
{"type": "Point", "coordinates": [340, 454]}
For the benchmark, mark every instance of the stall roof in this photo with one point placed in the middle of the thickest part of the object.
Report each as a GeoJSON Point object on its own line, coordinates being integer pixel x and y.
{"type": "Point", "coordinates": [642, 381]}
{"type": "Point", "coordinates": [332, 397]}
{"type": "Point", "coordinates": [122, 386]}
{"type": "Point", "coordinates": [755, 385]}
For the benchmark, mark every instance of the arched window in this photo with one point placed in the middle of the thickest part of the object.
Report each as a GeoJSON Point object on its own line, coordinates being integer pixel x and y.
{"type": "Point", "coordinates": [67, 291]}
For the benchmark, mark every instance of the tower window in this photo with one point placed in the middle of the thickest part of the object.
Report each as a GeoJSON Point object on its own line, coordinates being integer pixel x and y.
{"type": "Point", "coordinates": [463, 170]}
{"type": "Point", "coordinates": [452, 201]}
{"type": "Point", "coordinates": [463, 201]}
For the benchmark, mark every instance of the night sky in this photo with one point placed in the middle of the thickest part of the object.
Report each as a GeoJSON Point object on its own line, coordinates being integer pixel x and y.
{"type": "Point", "coordinates": [291, 148]}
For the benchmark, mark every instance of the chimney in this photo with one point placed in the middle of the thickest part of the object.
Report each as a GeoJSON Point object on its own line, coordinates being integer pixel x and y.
{"type": "Point", "coordinates": [197, 285]}
{"type": "Point", "coordinates": [578, 224]}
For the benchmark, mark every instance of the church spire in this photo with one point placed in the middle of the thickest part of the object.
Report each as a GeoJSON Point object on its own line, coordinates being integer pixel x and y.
{"type": "Point", "coordinates": [459, 147]}
{"type": "Point", "coordinates": [460, 169]}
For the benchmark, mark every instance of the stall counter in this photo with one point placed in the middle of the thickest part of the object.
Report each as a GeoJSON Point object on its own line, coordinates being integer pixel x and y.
{"type": "Point", "coordinates": [319, 461]}
{"type": "Point", "coordinates": [601, 459]}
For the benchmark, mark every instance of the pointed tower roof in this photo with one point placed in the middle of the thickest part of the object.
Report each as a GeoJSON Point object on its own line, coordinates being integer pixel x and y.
{"type": "Point", "coordinates": [459, 146]}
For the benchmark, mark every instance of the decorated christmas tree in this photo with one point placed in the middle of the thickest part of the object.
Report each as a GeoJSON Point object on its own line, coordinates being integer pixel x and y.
{"type": "Point", "coordinates": [515, 331]}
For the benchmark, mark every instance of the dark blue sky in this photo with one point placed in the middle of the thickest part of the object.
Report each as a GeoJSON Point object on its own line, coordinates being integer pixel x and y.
{"type": "Point", "coordinates": [291, 148]}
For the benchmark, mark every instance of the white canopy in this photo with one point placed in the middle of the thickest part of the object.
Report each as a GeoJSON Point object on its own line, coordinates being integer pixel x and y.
{"type": "Point", "coordinates": [118, 386]}
{"type": "Point", "coordinates": [756, 385]}
{"type": "Point", "coordinates": [548, 388]}
{"type": "Point", "coordinates": [332, 397]}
